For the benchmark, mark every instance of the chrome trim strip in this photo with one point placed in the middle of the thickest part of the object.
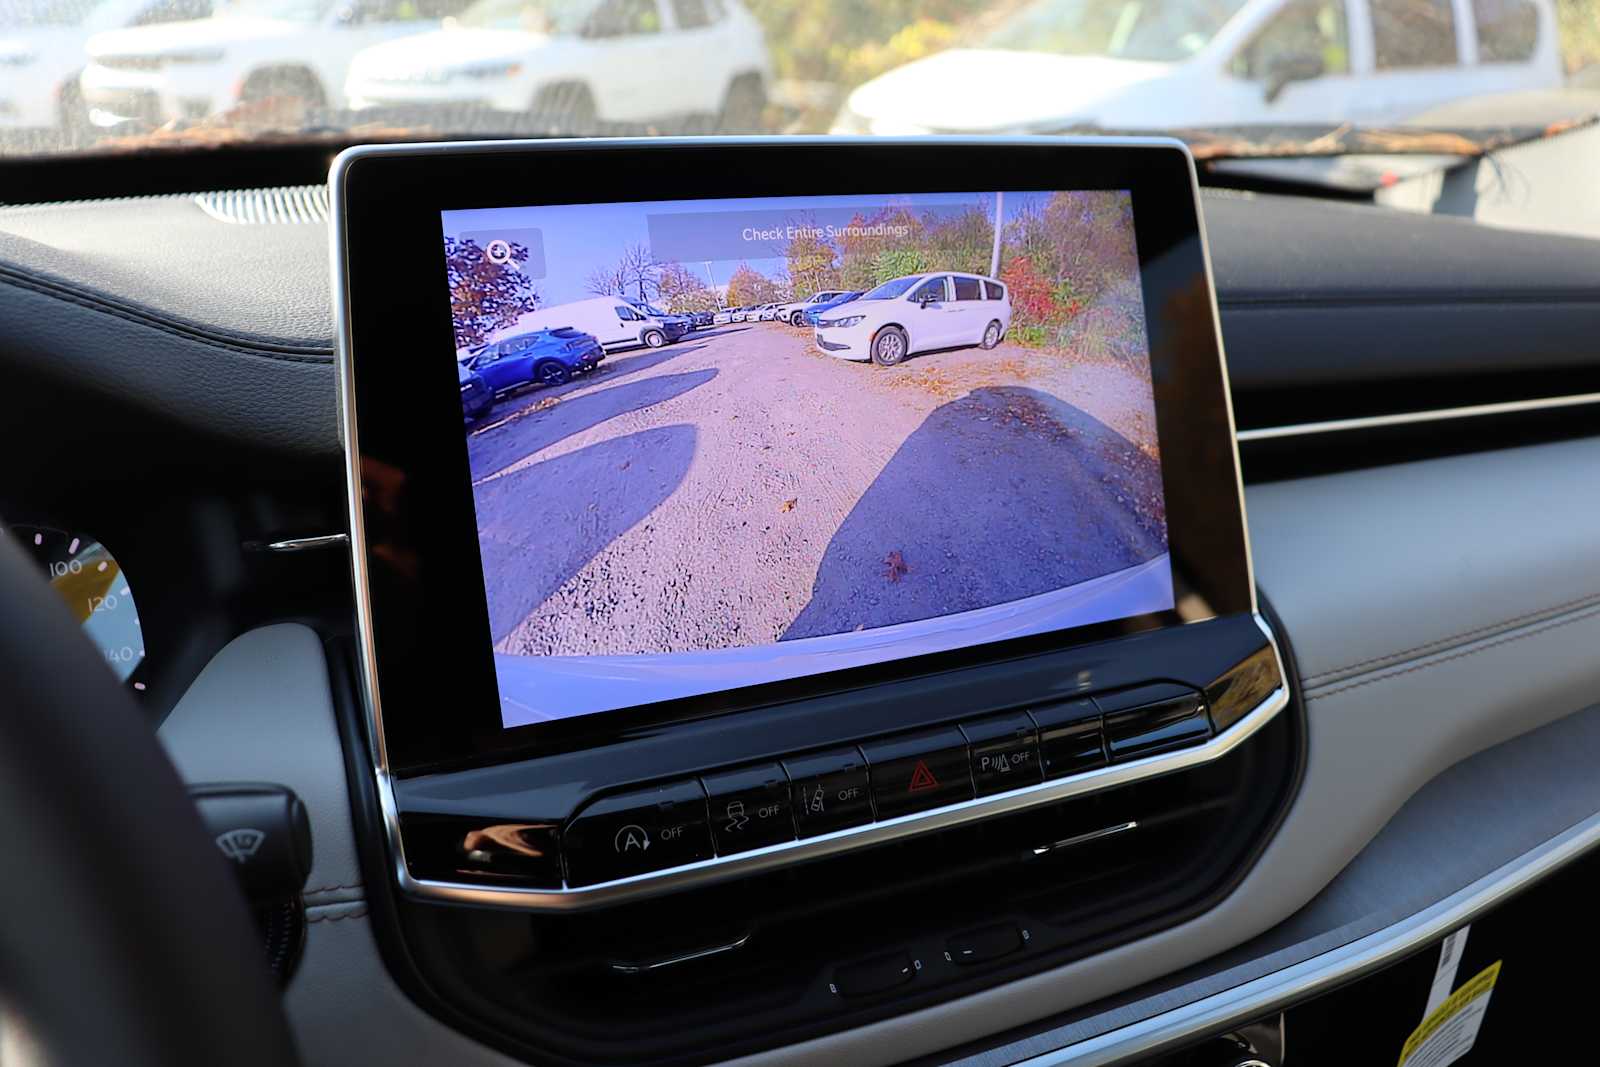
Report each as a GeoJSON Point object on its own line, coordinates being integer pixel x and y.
{"type": "Point", "coordinates": [622, 967]}
{"type": "Point", "coordinates": [1412, 418]}
{"type": "Point", "coordinates": [746, 863]}
{"type": "Point", "coordinates": [1270, 993]}
{"type": "Point", "coordinates": [301, 544]}
{"type": "Point", "coordinates": [1083, 839]}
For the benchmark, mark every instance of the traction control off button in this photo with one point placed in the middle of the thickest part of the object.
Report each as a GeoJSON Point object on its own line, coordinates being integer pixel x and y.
{"type": "Point", "coordinates": [749, 808]}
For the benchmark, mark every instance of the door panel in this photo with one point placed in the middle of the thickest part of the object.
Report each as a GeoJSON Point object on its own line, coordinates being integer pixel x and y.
{"type": "Point", "coordinates": [929, 325]}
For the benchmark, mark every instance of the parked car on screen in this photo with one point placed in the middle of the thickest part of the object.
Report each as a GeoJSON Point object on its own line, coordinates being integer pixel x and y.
{"type": "Point", "coordinates": [248, 50]}
{"type": "Point", "coordinates": [916, 313]}
{"type": "Point", "coordinates": [543, 357]}
{"type": "Point", "coordinates": [578, 63]}
{"type": "Point", "coordinates": [476, 396]}
{"type": "Point", "coordinates": [683, 322]}
{"type": "Point", "coordinates": [1127, 65]}
{"type": "Point", "coordinates": [722, 316]}
{"type": "Point", "coordinates": [794, 312]}
{"type": "Point", "coordinates": [812, 314]}
{"type": "Point", "coordinates": [611, 320]}
{"type": "Point", "coordinates": [42, 53]}
{"type": "Point", "coordinates": [767, 312]}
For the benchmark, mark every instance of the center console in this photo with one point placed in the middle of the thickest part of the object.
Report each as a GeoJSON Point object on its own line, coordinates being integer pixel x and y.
{"type": "Point", "coordinates": [834, 597]}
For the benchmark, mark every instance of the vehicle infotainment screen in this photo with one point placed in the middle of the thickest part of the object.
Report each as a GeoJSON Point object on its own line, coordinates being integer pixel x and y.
{"type": "Point", "coordinates": [719, 443]}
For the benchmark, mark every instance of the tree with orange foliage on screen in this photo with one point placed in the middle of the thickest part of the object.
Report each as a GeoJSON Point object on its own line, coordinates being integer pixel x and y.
{"type": "Point", "coordinates": [485, 296]}
{"type": "Point", "coordinates": [749, 286]}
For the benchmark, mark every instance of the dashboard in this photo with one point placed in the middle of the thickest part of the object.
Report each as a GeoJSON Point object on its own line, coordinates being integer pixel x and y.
{"type": "Point", "coordinates": [1425, 593]}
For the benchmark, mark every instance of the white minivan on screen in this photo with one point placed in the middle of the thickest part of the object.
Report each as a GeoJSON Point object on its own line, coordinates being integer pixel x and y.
{"type": "Point", "coordinates": [916, 313]}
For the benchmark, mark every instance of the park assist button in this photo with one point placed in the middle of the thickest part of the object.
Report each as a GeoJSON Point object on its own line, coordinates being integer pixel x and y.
{"type": "Point", "coordinates": [1005, 752]}
{"type": "Point", "coordinates": [749, 808]}
{"type": "Point", "coordinates": [638, 832]}
{"type": "Point", "coordinates": [916, 772]}
{"type": "Point", "coordinates": [830, 791]}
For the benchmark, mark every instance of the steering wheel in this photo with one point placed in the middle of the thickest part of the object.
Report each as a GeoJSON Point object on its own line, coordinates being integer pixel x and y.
{"type": "Point", "coordinates": [124, 938]}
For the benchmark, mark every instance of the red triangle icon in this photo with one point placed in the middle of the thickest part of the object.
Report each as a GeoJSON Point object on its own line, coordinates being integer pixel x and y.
{"type": "Point", "coordinates": [922, 778]}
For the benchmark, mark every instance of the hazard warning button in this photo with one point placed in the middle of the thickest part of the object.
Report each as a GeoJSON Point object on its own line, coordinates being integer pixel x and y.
{"type": "Point", "coordinates": [915, 772]}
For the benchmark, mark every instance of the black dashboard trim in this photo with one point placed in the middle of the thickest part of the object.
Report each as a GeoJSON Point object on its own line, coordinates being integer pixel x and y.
{"type": "Point", "coordinates": [94, 301]}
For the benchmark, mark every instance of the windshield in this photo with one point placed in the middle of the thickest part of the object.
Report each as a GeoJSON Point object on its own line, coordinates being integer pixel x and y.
{"type": "Point", "coordinates": [891, 289]}
{"type": "Point", "coordinates": [1362, 79]}
{"type": "Point", "coordinates": [531, 16]}
{"type": "Point", "coordinates": [288, 10]}
{"type": "Point", "coordinates": [1160, 30]}
{"type": "Point", "coordinates": [47, 12]}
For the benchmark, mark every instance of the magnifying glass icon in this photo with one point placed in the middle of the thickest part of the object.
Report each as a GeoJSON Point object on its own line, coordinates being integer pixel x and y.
{"type": "Point", "coordinates": [498, 252]}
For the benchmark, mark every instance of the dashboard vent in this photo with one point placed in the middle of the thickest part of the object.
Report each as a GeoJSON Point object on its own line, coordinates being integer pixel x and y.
{"type": "Point", "coordinates": [285, 205]}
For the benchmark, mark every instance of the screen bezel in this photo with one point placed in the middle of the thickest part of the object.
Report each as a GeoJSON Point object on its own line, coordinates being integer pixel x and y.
{"type": "Point", "coordinates": [419, 586]}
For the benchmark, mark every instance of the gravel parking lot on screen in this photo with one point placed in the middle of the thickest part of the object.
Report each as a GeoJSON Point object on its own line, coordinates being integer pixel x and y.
{"type": "Point", "coordinates": [740, 488]}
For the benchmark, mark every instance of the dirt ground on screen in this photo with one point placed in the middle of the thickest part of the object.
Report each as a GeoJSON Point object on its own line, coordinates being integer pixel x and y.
{"type": "Point", "coordinates": [739, 487]}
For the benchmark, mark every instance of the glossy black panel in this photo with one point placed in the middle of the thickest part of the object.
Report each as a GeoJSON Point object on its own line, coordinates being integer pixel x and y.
{"type": "Point", "coordinates": [554, 786]}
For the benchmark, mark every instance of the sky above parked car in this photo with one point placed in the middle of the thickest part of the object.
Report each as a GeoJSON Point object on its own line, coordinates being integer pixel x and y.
{"type": "Point", "coordinates": [589, 238]}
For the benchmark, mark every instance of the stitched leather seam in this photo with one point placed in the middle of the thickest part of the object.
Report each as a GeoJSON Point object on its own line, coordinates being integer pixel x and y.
{"type": "Point", "coordinates": [343, 915]}
{"type": "Point", "coordinates": [1435, 645]}
{"type": "Point", "coordinates": [217, 339]}
{"type": "Point", "coordinates": [1510, 638]}
{"type": "Point", "coordinates": [331, 888]}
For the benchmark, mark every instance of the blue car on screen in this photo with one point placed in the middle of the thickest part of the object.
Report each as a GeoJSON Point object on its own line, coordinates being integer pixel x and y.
{"type": "Point", "coordinates": [813, 314]}
{"type": "Point", "coordinates": [476, 396]}
{"type": "Point", "coordinates": [540, 357]}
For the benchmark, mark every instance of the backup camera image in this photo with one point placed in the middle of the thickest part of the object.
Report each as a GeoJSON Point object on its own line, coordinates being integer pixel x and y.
{"type": "Point", "coordinates": [718, 443]}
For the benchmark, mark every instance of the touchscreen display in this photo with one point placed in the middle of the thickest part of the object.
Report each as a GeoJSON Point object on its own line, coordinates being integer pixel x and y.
{"type": "Point", "coordinates": [719, 443]}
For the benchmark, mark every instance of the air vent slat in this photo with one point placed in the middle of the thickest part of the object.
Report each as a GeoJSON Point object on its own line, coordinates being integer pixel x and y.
{"type": "Point", "coordinates": [284, 206]}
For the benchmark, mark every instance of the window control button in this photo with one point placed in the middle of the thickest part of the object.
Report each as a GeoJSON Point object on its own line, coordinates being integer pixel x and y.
{"type": "Point", "coordinates": [749, 808]}
{"type": "Point", "coordinates": [874, 975]}
{"type": "Point", "coordinates": [829, 791]}
{"type": "Point", "coordinates": [1005, 752]}
{"type": "Point", "coordinates": [916, 772]}
{"type": "Point", "coordinates": [634, 833]}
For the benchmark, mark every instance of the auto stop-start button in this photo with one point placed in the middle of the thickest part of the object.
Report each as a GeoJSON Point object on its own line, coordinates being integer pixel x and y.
{"type": "Point", "coordinates": [634, 833]}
